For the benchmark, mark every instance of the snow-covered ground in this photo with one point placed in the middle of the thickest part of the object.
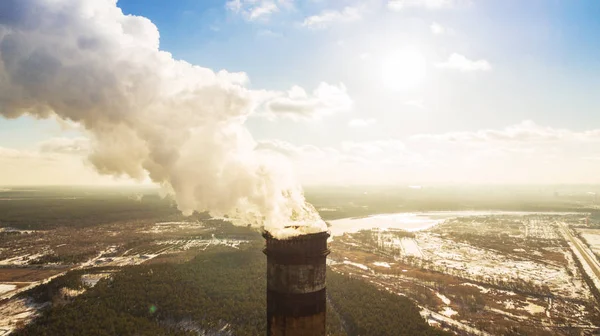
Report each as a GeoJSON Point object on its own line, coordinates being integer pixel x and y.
{"type": "Point", "coordinates": [70, 293]}
{"type": "Point", "coordinates": [174, 226]}
{"type": "Point", "coordinates": [444, 299]}
{"type": "Point", "coordinates": [21, 260]}
{"type": "Point", "coordinates": [410, 247]}
{"type": "Point", "coordinates": [481, 288]}
{"type": "Point", "coordinates": [382, 264]}
{"type": "Point", "coordinates": [90, 280]}
{"type": "Point", "coordinates": [186, 244]}
{"type": "Point", "coordinates": [417, 221]}
{"type": "Point", "coordinates": [130, 260]}
{"type": "Point", "coordinates": [592, 238]}
{"type": "Point", "coordinates": [477, 263]}
{"type": "Point", "coordinates": [361, 266]}
{"type": "Point", "coordinates": [533, 308]}
{"type": "Point", "coordinates": [10, 229]}
{"type": "Point", "coordinates": [17, 311]}
{"type": "Point", "coordinates": [448, 312]}
{"type": "Point", "coordinates": [387, 240]}
{"type": "Point", "coordinates": [5, 288]}
{"type": "Point", "coordinates": [536, 228]}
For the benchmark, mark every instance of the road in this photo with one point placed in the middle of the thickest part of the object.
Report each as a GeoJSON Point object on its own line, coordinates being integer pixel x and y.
{"type": "Point", "coordinates": [588, 257]}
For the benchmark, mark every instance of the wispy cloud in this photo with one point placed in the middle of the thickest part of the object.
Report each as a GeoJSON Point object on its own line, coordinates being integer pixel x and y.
{"type": "Point", "coordinates": [415, 103]}
{"type": "Point", "coordinates": [268, 33]}
{"type": "Point", "coordinates": [253, 10]}
{"type": "Point", "coordinates": [461, 63]}
{"type": "Point", "coordinates": [525, 132]}
{"type": "Point", "coordinates": [523, 153]}
{"type": "Point", "coordinates": [62, 145]}
{"type": "Point", "coordinates": [438, 29]}
{"type": "Point", "coordinates": [398, 5]}
{"type": "Point", "coordinates": [297, 104]}
{"type": "Point", "coordinates": [328, 17]}
{"type": "Point", "coordinates": [359, 123]}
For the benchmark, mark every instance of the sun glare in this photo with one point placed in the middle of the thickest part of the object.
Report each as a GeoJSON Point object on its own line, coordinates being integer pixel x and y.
{"type": "Point", "coordinates": [404, 70]}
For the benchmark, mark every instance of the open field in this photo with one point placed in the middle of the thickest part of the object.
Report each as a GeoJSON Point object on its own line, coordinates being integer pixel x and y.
{"type": "Point", "coordinates": [490, 273]}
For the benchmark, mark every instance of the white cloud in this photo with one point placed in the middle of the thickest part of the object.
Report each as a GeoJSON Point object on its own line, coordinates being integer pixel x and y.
{"type": "Point", "coordinates": [328, 17]}
{"type": "Point", "coordinates": [62, 145]}
{"type": "Point", "coordinates": [461, 63]}
{"type": "Point", "coordinates": [398, 5]}
{"type": "Point", "coordinates": [350, 162]}
{"type": "Point", "coordinates": [364, 56]}
{"type": "Point", "coordinates": [298, 104]}
{"type": "Point", "coordinates": [438, 29]}
{"type": "Point", "coordinates": [415, 103]}
{"type": "Point", "coordinates": [522, 153]}
{"type": "Point", "coordinates": [359, 123]}
{"type": "Point", "coordinates": [525, 132]}
{"type": "Point", "coordinates": [253, 10]}
{"type": "Point", "coordinates": [269, 33]}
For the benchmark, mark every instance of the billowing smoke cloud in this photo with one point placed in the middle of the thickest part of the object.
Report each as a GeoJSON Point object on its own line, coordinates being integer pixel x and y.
{"type": "Point", "coordinates": [147, 114]}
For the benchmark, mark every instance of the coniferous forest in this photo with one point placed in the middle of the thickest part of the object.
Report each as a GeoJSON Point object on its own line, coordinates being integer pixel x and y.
{"type": "Point", "coordinates": [219, 292]}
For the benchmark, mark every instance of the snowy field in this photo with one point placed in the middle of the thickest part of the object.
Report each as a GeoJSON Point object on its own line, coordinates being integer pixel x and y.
{"type": "Point", "coordinates": [17, 311]}
{"type": "Point", "coordinates": [21, 260]}
{"type": "Point", "coordinates": [177, 245]}
{"type": "Point", "coordinates": [5, 288]}
{"type": "Point", "coordinates": [163, 227]}
{"type": "Point", "coordinates": [592, 238]}
{"type": "Point", "coordinates": [417, 221]}
{"type": "Point", "coordinates": [477, 263]}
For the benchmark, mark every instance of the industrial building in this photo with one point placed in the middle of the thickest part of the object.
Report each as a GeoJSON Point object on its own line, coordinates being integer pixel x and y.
{"type": "Point", "coordinates": [296, 292]}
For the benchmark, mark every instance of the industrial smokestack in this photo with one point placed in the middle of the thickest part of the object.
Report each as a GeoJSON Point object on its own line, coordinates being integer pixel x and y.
{"type": "Point", "coordinates": [296, 293]}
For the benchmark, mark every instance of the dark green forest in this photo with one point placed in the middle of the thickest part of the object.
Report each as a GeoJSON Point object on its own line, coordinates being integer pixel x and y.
{"type": "Point", "coordinates": [50, 207]}
{"type": "Point", "coordinates": [50, 213]}
{"type": "Point", "coordinates": [218, 290]}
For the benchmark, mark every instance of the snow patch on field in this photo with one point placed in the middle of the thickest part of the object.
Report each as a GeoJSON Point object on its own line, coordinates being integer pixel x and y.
{"type": "Point", "coordinates": [174, 226]}
{"type": "Point", "coordinates": [477, 263]}
{"type": "Point", "coordinates": [592, 238]}
{"type": "Point", "coordinates": [586, 266]}
{"type": "Point", "coordinates": [4, 288]}
{"type": "Point", "coordinates": [533, 308]}
{"type": "Point", "coordinates": [502, 312]}
{"type": "Point", "coordinates": [186, 244]}
{"type": "Point", "coordinates": [90, 280]}
{"type": "Point", "coordinates": [481, 288]}
{"type": "Point", "coordinates": [71, 293]}
{"type": "Point", "coordinates": [449, 312]}
{"type": "Point", "coordinates": [21, 260]}
{"type": "Point", "coordinates": [410, 247]}
{"type": "Point", "coordinates": [444, 299]}
{"type": "Point", "coordinates": [12, 230]}
{"type": "Point", "coordinates": [361, 266]}
{"type": "Point", "coordinates": [17, 311]}
{"type": "Point", "coordinates": [382, 264]}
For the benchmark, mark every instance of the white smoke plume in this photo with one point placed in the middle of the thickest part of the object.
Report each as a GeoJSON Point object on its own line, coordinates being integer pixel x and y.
{"type": "Point", "coordinates": [146, 113]}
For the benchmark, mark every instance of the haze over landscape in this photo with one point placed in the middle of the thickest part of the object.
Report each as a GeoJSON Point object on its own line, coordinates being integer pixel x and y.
{"type": "Point", "coordinates": [450, 148]}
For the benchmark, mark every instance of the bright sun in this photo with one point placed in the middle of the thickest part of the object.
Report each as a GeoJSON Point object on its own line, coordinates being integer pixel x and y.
{"type": "Point", "coordinates": [404, 70]}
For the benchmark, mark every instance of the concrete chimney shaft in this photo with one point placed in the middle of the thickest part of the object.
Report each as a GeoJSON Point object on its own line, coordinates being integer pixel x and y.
{"type": "Point", "coordinates": [296, 294]}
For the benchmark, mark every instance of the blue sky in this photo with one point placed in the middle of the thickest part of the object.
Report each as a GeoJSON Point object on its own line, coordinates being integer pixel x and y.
{"type": "Point", "coordinates": [483, 68]}
{"type": "Point", "coordinates": [544, 55]}
{"type": "Point", "coordinates": [545, 52]}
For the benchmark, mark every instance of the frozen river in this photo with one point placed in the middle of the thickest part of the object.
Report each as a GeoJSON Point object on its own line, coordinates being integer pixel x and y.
{"type": "Point", "coordinates": [416, 221]}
